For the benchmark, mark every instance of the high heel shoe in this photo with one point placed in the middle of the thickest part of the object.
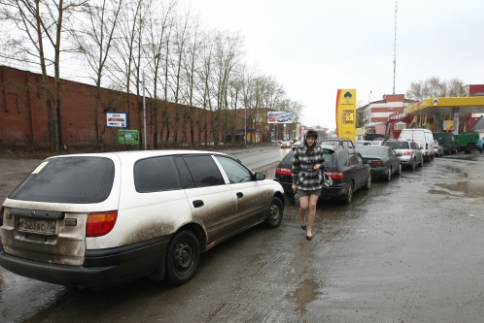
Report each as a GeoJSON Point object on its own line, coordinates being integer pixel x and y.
{"type": "Point", "coordinates": [303, 227]}
{"type": "Point", "coordinates": [309, 237]}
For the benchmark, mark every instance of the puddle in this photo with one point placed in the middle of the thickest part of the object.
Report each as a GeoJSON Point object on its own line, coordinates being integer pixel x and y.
{"type": "Point", "coordinates": [469, 189]}
{"type": "Point", "coordinates": [306, 294]}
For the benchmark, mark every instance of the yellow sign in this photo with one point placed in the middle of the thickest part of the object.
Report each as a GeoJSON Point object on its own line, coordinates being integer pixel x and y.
{"type": "Point", "coordinates": [346, 113]}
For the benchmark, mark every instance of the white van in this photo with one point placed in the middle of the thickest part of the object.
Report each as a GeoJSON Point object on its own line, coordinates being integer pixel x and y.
{"type": "Point", "coordinates": [423, 137]}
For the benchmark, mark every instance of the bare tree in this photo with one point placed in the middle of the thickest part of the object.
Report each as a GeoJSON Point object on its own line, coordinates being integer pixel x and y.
{"type": "Point", "coordinates": [160, 25]}
{"type": "Point", "coordinates": [434, 87]}
{"type": "Point", "coordinates": [42, 25]}
{"type": "Point", "coordinates": [95, 40]}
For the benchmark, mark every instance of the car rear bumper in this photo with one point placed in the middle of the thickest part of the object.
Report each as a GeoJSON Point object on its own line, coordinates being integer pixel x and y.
{"type": "Point", "coordinates": [405, 160]}
{"type": "Point", "coordinates": [101, 269]}
{"type": "Point", "coordinates": [334, 191]}
{"type": "Point", "coordinates": [378, 171]}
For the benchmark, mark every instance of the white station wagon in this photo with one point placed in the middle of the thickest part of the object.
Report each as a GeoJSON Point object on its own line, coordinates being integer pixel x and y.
{"type": "Point", "coordinates": [98, 220]}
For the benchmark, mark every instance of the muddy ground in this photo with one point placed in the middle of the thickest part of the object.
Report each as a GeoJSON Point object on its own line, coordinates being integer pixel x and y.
{"type": "Point", "coordinates": [405, 251]}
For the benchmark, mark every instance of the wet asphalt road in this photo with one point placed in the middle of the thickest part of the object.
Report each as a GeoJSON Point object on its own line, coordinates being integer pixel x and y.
{"type": "Point", "coordinates": [405, 251]}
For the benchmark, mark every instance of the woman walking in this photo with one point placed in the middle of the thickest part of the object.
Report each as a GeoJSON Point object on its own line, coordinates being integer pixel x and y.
{"type": "Point", "coordinates": [307, 178]}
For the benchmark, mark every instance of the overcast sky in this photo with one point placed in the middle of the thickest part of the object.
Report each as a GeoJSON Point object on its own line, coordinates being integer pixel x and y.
{"type": "Point", "coordinates": [314, 47]}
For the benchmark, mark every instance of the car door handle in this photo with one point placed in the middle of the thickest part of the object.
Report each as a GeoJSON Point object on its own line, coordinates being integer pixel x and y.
{"type": "Point", "coordinates": [198, 203]}
{"type": "Point", "coordinates": [240, 195]}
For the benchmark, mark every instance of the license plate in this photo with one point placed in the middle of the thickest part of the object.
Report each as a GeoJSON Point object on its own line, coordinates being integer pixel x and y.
{"type": "Point", "coordinates": [36, 226]}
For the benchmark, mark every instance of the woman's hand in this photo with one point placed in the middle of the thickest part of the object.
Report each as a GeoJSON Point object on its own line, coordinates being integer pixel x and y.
{"type": "Point", "coordinates": [317, 166]}
{"type": "Point", "coordinates": [294, 188]}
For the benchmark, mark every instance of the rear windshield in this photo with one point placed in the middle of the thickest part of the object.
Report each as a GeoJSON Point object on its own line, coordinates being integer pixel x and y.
{"type": "Point", "coordinates": [77, 179]}
{"type": "Point", "coordinates": [328, 157]}
{"type": "Point", "coordinates": [373, 151]}
{"type": "Point", "coordinates": [397, 144]}
{"type": "Point", "coordinates": [289, 157]}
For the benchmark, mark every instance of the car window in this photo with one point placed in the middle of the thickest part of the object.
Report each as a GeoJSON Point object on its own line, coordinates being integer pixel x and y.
{"type": "Point", "coordinates": [353, 159]}
{"type": "Point", "coordinates": [204, 170]}
{"type": "Point", "coordinates": [328, 158]}
{"type": "Point", "coordinates": [156, 174]}
{"type": "Point", "coordinates": [235, 171]}
{"type": "Point", "coordinates": [289, 157]}
{"type": "Point", "coordinates": [186, 177]}
{"type": "Point", "coordinates": [391, 152]}
{"type": "Point", "coordinates": [397, 144]}
{"type": "Point", "coordinates": [342, 160]}
{"type": "Point", "coordinates": [80, 180]}
{"type": "Point", "coordinates": [413, 145]}
{"type": "Point", "coordinates": [359, 159]}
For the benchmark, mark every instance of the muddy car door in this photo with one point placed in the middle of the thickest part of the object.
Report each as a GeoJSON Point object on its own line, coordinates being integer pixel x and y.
{"type": "Point", "coordinates": [212, 201]}
{"type": "Point", "coordinates": [253, 196]}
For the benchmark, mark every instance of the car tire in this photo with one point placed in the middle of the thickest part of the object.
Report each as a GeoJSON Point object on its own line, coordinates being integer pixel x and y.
{"type": "Point", "coordinates": [389, 175]}
{"type": "Point", "coordinates": [421, 162]}
{"type": "Point", "coordinates": [412, 166]}
{"type": "Point", "coordinates": [367, 186]}
{"type": "Point", "coordinates": [182, 257]}
{"type": "Point", "coordinates": [349, 195]}
{"type": "Point", "coordinates": [399, 170]}
{"type": "Point", "coordinates": [276, 212]}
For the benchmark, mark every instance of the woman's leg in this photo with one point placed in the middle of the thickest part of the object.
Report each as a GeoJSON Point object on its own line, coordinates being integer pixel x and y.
{"type": "Point", "coordinates": [313, 200]}
{"type": "Point", "coordinates": [303, 208]}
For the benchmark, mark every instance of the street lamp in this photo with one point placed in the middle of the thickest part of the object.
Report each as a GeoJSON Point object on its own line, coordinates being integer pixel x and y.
{"type": "Point", "coordinates": [144, 99]}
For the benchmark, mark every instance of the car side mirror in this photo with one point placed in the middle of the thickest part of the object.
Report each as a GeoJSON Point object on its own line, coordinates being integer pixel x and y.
{"type": "Point", "coordinates": [259, 176]}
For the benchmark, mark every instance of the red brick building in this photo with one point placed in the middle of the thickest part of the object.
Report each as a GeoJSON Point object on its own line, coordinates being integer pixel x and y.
{"type": "Point", "coordinates": [24, 119]}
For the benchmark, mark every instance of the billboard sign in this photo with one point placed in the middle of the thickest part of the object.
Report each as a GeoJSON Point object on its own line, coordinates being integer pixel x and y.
{"type": "Point", "coordinates": [117, 119]}
{"type": "Point", "coordinates": [279, 117]}
{"type": "Point", "coordinates": [346, 113]}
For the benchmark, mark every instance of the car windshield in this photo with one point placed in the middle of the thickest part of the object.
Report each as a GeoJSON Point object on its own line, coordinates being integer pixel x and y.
{"type": "Point", "coordinates": [373, 151]}
{"type": "Point", "coordinates": [68, 180]}
{"type": "Point", "coordinates": [397, 144]}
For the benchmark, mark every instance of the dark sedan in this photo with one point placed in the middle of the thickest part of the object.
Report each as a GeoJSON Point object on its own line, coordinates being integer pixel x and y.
{"type": "Point", "coordinates": [345, 166]}
{"type": "Point", "coordinates": [383, 161]}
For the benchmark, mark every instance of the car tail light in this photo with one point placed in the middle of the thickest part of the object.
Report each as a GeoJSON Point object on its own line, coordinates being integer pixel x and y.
{"type": "Point", "coordinates": [335, 176]}
{"type": "Point", "coordinates": [407, 152]}
{"type": "Point", "coordinates": [100, 223]}
{"type": "Point", "coordinates": [426, 146]}
{"type": "Point", "coordinates": [283, 171]}
{"type": "Point", "coordinates": [376, 162]}
{"type": "Point", "coordinates": [1, 216]}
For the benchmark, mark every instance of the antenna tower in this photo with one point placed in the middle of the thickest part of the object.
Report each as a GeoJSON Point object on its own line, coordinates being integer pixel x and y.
{"type": "Point", "coordinates": [395, 49]}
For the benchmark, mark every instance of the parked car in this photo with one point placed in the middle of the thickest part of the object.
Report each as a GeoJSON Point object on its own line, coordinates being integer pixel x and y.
{"type": "Point", "coordinates": [98, 220]}
{"type": "Point", "coordinates": [408, 152]}
{"type": "Point", "coordinates": [423, 137]}
{"type": "Point", "coordinates": [438, 149]}
{"type": "Point", "coordinates": [286, 144]}
{"type": "Point", "coordinates": [383, 161]}
{"type": "Point", "coordinates": [345, 143]}
{"type": "Point", "coordinates": [447, 141]}
{"type": "Point", "coordinates": [283, 173]}
{"type": "Point", "coordinates": [345, 167]}
{"type": "Point", "coordinates": [348, 171]}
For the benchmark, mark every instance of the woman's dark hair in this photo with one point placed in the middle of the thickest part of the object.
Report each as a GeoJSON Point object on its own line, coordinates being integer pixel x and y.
{"type": "Point", "coordinates": [313, 134]}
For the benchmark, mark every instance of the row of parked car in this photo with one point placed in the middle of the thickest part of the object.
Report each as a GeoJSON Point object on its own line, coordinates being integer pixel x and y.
{"type": "Point", "coordinates": [352, 167]}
